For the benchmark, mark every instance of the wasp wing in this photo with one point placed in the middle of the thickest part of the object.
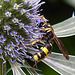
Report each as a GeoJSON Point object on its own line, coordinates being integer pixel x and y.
{"type": "Point", "coordinates": [61, 47]}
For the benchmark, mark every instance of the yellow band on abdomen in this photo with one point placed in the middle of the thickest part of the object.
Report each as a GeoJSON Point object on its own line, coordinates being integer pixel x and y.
{"type": "Point", "coordinates": [35, 57]}
{"type": "Point", "coordinates": [45, 50]}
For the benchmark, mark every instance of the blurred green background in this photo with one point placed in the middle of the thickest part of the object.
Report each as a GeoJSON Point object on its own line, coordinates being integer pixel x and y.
{"type": "Point", "coordinates": [57, 11]}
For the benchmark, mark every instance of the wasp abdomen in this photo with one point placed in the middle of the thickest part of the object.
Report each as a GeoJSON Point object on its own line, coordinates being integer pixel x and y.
{"type": "Point", "coordinates": [44, 51]}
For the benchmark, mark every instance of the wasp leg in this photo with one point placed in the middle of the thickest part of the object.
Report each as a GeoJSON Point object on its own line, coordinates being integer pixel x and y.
{"type": "Point", "coordinates": [34, 41]}
{"type": "Point", "coordinates": [41, 59]}
{"type": "Point", "coordinates": [37, 62]}
{"type": "Point", "coordinates": [31, 43]}
{"type": "Point", "coordinates": [46, 29]}
{"type": "Point", "coordinates": [44, 19]}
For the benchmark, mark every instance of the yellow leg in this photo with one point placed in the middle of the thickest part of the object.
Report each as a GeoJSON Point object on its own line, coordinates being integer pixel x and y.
{"type": "Point", "coordinates": [41, 59]}
{"type": "Point", "coordinates": [44, 18]}
{"type": "Point", "coordinates": [46, 29]}
{"type": "Point", "coordinates": [32, 42]}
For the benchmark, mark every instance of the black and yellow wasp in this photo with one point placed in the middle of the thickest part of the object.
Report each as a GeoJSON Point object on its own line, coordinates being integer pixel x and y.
{"type": "Point", "coordinates": [48, 37]}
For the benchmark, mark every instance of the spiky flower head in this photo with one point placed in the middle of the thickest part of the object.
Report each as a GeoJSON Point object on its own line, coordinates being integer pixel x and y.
{"type": "Point", "coordinates": [18, 19]}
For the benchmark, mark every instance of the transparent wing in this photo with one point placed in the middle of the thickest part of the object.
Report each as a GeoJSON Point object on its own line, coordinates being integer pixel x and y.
{"type": "Point", "coordinates": [57, 62]}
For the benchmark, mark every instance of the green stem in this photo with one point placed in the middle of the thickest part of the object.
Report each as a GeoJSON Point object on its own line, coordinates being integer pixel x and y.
{"type": "Point", "coordinates": [2, 67]}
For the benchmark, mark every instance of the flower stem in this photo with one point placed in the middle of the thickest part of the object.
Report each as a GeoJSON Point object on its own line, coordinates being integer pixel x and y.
{"type": "Point", "coordinates": [2, 67]}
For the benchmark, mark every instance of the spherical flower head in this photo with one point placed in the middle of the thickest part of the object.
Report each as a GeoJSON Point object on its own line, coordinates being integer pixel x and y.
{"type": "Point", "coordinates": [8, 14]}
{"type": "Point", "coordinates": [0, 20]}
{"type": "Point", "coordinates": [10, 47]}
{"type": "Point", "coordinates": [6, 0]}
{"type": "Point", "coordinates": [23, 11]}
{"type": "Point", "coordinates": [20, 37]}
{"type": "Point", "coordinates": [1, 51]}
{"type": "Point", "coordinates": [21, 25]}
{"type": "Point", "coordinates": [6, 27]}
{"type": "Point", "coordinates": [0, 6]}
{"type": "Point", "coordinates": [16, 6]}
{"type": "Point", "coordinates": [25, 1]}
{"type": "Point", "coordinates": [17, 23]}
{"type": "Point", "coordinates": [13, 33]}
{"type": "Point", "coordinates": [15, 20]}
{"type": "Point", "coordinates": [2, 39]}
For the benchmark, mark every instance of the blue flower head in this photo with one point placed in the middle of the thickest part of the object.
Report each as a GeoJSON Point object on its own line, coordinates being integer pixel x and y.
{"type": "Point", "coordinates": [2, 39]}
{"type": "Point", "coordinates": [18, 22]}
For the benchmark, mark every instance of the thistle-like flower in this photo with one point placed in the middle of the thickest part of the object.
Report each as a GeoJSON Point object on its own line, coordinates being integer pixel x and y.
{"type": "Point", "coordinates": [18, 26]}
{"type": "Point", "coordinates": [18, 19]}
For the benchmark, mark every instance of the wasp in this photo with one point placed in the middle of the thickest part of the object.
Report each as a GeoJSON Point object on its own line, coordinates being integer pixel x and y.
{"type": "Point", "coordinates": [48, 37]}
